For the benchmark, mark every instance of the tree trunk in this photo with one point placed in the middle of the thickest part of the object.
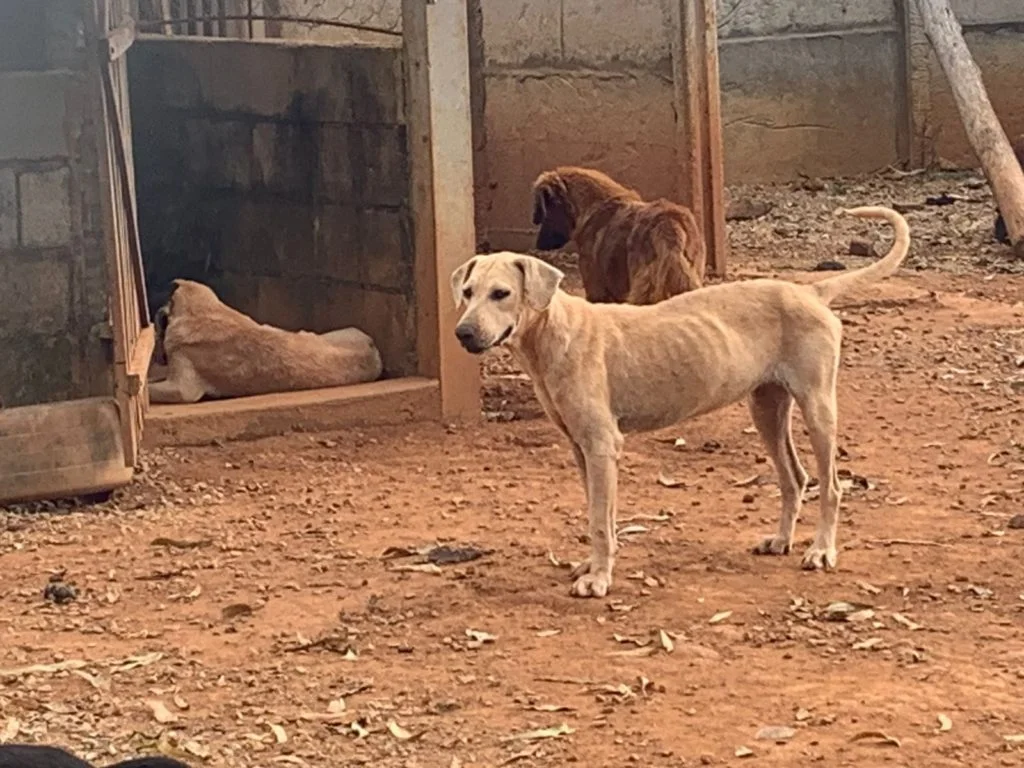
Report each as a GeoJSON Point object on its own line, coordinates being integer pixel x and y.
{"type": "Point", "coordinates": [984, 132]}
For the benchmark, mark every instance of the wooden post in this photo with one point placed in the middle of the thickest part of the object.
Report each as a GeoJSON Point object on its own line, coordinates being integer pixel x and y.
{"type": "Point", "coordinates": [985, 134]}
{"type": "Point", "coordinates": [699, 122]}
{"type": "Point", "coordinates": [435, 40]}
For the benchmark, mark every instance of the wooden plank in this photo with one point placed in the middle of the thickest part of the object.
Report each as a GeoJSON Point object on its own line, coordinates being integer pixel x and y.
{"type": "Point", "coordinates": [699, 124]}
{"type": "Point", "coordinates": [437, 60]}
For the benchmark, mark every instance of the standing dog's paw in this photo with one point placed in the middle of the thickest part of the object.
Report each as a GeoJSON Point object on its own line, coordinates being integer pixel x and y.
{"type": "Point", "coordinates": [580, 570]}
{"type": "Point", "coordinates": [772, 545]}
{"type": "Point", "coordinates": [592, 585]}
{"type": "Point", "coordinates": [819, 558]}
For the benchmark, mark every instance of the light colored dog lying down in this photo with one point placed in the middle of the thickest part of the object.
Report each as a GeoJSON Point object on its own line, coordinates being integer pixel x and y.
{"type": "Point", "coordinates": [601, 370]}
{"type": "Point", "coordinates": [213, 350]}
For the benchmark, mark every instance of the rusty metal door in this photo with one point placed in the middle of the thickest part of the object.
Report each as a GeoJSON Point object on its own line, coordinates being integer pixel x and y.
{"type": "Point", "coordinates": [129, 308]}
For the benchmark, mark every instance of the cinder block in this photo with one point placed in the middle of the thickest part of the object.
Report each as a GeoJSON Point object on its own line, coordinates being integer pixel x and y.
{"type": "Point", "coordinates": [337, 253]}
{"type": "Point", "coordinates": [286, 158]}
{"type": "Point", "coordinates": [334, 171]}
{"type": "Point", "coordinates": [37, 369]}
{"type": "Point", "coordinates": [45, 208]}
{"type": "Point", "coordinates": [379, 160]}
{"type": "Point", "coordinates": [8, 209]}
{"type": "Point", "coordinates": [617, 32]}
{"type": "Point", "coordinates": [377, 88]}
{"type": "Point", "coordinates": [386, 255]}
{"type": "Point", "coordinates": [32, 118]}
{"type": "Point", "coordinates": [219, 153]}
{"type": "Point", "coordinates": [35, 295]}
{"type": "Point", "coordinates": [517, 32]}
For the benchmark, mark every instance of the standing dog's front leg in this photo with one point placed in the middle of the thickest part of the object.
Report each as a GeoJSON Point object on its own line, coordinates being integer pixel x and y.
{"type": "Point", "coordinates": [602, 489]}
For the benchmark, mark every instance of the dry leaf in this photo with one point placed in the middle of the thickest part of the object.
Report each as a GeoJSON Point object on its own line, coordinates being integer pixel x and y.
{"type": "Point", "coordinates": [945, 724]}
{"type": "Point", "coordinates": [1014, 738]}
{"type": "Point", "coordinates": [11, 729]}
{"type": "Point", "coordinates": [871, 589]}
{"type": "Point", "coordinates": [746, 482]}
{"type": "Point", "coordinates": [135, 662]}
{"type": "Point", "coordinates": [97, 682]}
{"type": "Point", "coordinates": [236, 610]}
{"type": "Point", "coordinates": [358, 729]}
{"type": "Point", "coordinates": [179, 702]}
{"type": "Point", "coordinates": [161, 713]}
{"type": "Point", "coordinates": [629, 640]}
{"type": "Point", "coordinates": [631, 529]}
{"type": "Point", "coordinates": [899, 618]}
{"type": "Point", "coordinates": [646, 650]}
{"type": "Point", "coordinates": [279, 734]}
{"type": "Point", "coordinates": [744, 752]}
{"type": "Point", "coordinates": [42, 669]}
{"type": "Point", "coordinates": [398, 731]}
{"type": "Point", "coordinates": [670, 482]}
{"type": "Point", "coordinates": [196, 749]}
{"type": "Point", "coordinates": [719, 617]}
{"type": "Point", "coordinates": [541, 733]}
{"type": "Point", "coordinates": [666, 641]}
{"type": "Point", "coordinates": [336, 706]}
{"type": "Point", "coordinates": [418, 568]}
{"type": "Point", "coordinates": [549, 632]}
{"type": "Point", "coordinates": [478, 638]}
{"type": "Point", "coordinates": [550, 708]}
{"type": "Point", "coordinates": [880, 737]}
{"type": "Point", "coordinates": [867, 645]}
{"type": "Point", "coordinates": [775, 733]}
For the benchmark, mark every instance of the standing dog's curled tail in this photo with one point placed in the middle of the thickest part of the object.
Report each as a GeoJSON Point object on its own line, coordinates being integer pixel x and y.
{"type": "Point", "coordinates": [833, 287]}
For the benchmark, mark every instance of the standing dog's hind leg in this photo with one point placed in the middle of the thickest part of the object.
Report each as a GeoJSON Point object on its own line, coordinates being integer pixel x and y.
{"type": "Point", "coordinates": [771, 407]}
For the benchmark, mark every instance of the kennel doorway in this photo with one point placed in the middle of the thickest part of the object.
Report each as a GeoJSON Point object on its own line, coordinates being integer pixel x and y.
{"type": "Point", "coordinates": [314, 186]}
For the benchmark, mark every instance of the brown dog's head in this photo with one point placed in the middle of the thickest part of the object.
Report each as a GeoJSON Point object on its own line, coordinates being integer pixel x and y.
{"type": "Point", "coordinates": [553, 211]}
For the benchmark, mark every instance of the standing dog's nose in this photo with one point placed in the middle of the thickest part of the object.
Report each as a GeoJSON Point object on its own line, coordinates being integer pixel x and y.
{"type": "Point", "coordinates": [466, 335]}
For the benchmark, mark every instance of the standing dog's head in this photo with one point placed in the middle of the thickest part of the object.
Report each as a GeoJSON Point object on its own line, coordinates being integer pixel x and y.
{"type": "Point", "coordinates": [553, 211]}
{"type": "Point", "coordinates": [501, 292]}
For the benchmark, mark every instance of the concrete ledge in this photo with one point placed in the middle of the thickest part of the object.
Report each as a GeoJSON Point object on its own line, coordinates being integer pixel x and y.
{"type": "Point", "coordinates": [393, 401]}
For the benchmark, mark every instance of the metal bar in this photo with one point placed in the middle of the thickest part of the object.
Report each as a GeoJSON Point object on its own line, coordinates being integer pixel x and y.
{"type": "Point", "coordinates": [285, 19]}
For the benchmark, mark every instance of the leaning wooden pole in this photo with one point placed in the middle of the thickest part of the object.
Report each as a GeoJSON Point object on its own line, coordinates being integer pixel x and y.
{"type": "Point", "coordinates": [984, 132]}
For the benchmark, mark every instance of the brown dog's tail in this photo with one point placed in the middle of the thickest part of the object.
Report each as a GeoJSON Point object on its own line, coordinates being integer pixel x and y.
{"type": "Point", "coordinates": [833, 287]}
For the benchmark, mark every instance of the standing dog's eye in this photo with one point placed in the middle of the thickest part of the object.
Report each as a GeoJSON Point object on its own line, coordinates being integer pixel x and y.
{"type": "Point", "coordinates": [498, 294]}
{"type": "Point", "coordinates": [467, 293]}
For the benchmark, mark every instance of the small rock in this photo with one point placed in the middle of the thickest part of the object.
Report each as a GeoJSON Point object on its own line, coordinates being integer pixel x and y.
{"type": "Point", "coordinates": [1016, 522]}
{"type": "Point", "coordinates": [60, 593]}
{"type": "Point", "coordinates": [748, 498]}
{"type": "Point", "coordinates": [829, 266]}
{"type": "Point", "coordinates": [812, 185]}
{"type": "Point", "coordinates": [860, 246]}
{"type": "Point", "coordinates": [747, 208]}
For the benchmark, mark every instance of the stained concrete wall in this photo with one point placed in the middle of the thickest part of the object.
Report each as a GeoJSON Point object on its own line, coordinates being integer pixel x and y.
{"type": "Point", "coordinates": [54, 334]}
{"type": "Point", "coordinates": [278, 174]}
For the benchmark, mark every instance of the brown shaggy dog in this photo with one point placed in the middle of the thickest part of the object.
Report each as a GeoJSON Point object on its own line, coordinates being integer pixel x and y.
{"type": "Point", "coordinates": [630, 250]}
{"type": "Point", "coordinates": [1000, 229]}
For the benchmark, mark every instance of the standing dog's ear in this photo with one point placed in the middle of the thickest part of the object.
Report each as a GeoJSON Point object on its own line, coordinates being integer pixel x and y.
{"type": "Point", "coordinates": [540, 282]}
{"type": "Point", "coordinates": [460, 276]}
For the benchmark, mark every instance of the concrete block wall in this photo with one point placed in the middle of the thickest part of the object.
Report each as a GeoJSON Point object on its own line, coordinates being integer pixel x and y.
{"type": "Point", "coordinates": [54, 336]}
{"type": "Point", "coordinates": [278, 174]}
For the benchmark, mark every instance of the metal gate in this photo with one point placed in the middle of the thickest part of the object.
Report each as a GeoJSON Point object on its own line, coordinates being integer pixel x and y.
{"type": "Point", "coordinates": [129, 309]}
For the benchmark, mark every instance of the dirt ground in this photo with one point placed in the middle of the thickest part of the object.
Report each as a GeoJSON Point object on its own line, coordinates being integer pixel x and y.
{"type": "Point", "coordinates": [235, 605]}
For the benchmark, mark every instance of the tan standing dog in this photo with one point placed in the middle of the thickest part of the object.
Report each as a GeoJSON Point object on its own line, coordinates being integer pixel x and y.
{"type": "Point", "coordinates": [630, 250]}
{"type": "Point", "coordinates": [601, 370]}
{"type": "Point", "coordinates": [212, 350]}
